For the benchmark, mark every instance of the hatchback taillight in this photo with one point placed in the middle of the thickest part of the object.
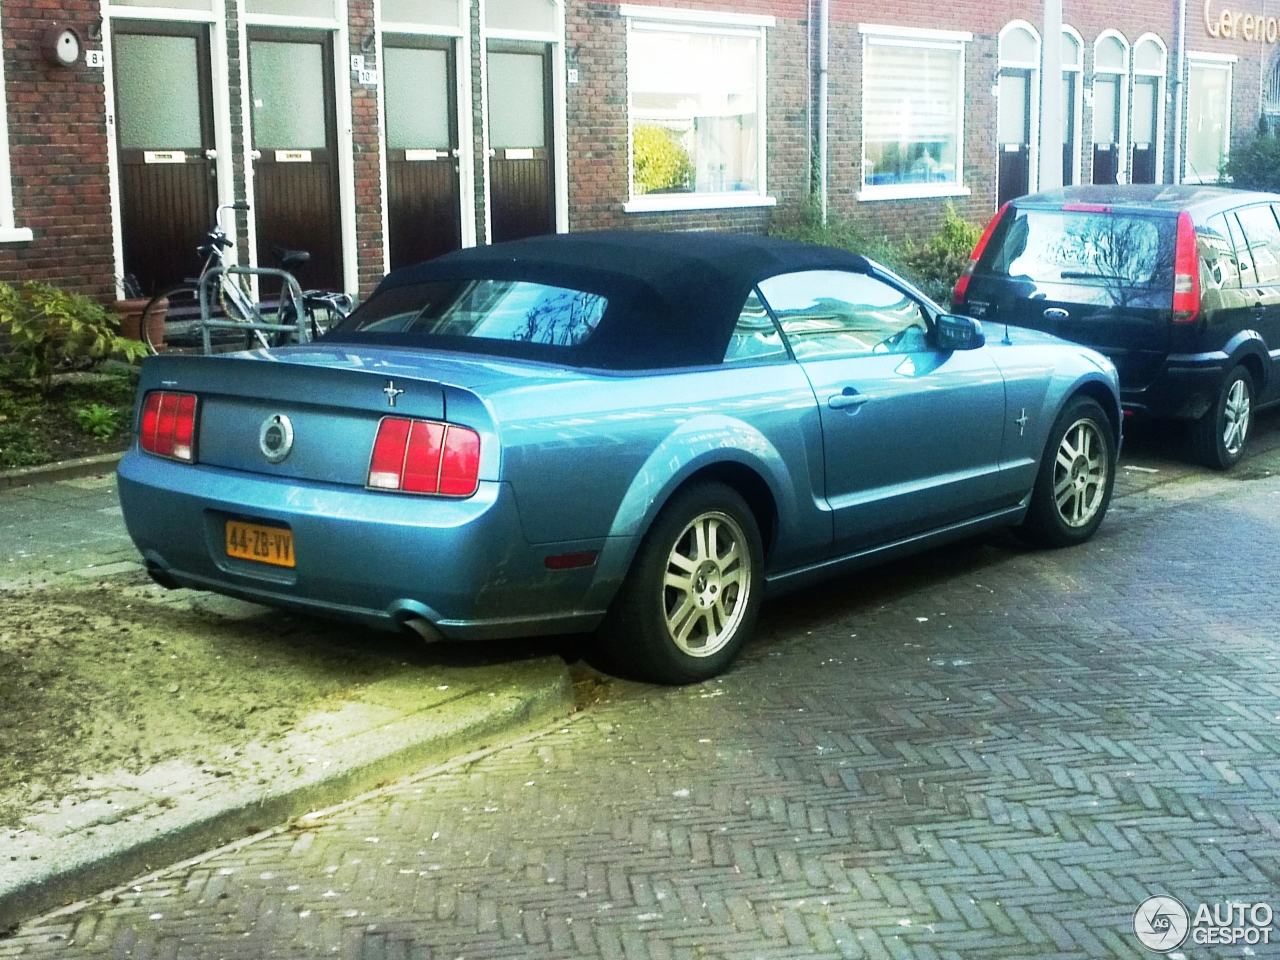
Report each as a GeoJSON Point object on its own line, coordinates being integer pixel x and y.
{"type": "Point", "coordinates": [1186, 272]}
{"type": "Point", "coordinates": [169, 425]}
{"type": "Point", "coordinates": [425, 456]}
{"type": "Point", "coordinates": [962, 284]}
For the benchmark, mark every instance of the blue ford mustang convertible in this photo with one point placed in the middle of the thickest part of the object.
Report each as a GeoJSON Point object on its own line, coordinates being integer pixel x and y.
{"type": "Point", "coordinates": [638, 434]}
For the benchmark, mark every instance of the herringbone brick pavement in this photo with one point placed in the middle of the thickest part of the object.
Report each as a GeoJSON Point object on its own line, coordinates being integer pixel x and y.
{"type": "Point", "coordinates": [983, 752]}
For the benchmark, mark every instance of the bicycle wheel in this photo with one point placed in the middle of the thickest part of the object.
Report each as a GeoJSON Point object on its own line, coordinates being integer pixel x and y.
{"type": "Point", "coordinates": [169, 320]}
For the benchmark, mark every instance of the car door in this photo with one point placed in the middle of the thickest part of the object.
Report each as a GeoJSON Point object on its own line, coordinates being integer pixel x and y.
{"type": "Point", "coordinates": [911, 434]}
{"type": "Point", "coordinates": [1260, 270]}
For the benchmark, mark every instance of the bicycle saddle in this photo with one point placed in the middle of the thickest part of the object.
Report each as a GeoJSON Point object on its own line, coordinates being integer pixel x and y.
{"type": "Point", "coordinates": [290, 259]}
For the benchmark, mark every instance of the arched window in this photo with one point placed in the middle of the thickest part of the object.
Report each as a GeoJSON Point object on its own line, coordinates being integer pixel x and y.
{"type": "Point", "coordinates": [1110, 84]}
{"type": "Point", "coordinates": [1271, 89]}
{"type": "Point", "coordinates": [1072, 81]}
{"type": "Point", "coordinates": [1146, 161]}
{"type": "Point", "coordinates": [1018, 116]}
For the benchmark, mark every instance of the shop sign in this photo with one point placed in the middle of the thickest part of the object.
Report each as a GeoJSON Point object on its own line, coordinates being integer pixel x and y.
{"type": "Point", "coordinates": [1242, 26]}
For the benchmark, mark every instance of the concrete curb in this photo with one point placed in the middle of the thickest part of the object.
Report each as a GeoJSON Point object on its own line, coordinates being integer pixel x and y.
{"type": "Point", "coordinates": [84, 865]}
{"type": "Point", "coordinates": [63, 470]}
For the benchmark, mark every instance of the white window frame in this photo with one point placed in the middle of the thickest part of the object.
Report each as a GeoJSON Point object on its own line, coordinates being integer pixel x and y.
{"type": "Point", "coordinates": [1077, 79]}
{"type": "Point", "coordinates": [1122, 126]}
{"type": "Point", "coordinates": [1161, 76]}
{"type": "Point", "coordinates": [914, 37]}
{"type": "Point", "coordinates": [705, 22]}
{"type": "Point", "coordinates": [1209, 61]}
{"type": "Point", "coordinates": [1033, 107]}
{"type": "Point", "coordinates": [9, 231]}
{"type": "Point", "coordinates": [461, 37]}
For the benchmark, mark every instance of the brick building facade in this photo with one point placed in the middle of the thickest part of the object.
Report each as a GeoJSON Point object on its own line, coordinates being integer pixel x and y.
{"type": "Point", "coordinates": [376, 132]}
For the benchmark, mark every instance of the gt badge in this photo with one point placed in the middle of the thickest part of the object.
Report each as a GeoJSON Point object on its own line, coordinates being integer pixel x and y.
{"type": "Point", "coordinates": [275, 439]}
{"type": "Point", "coordinates": [391, 392]}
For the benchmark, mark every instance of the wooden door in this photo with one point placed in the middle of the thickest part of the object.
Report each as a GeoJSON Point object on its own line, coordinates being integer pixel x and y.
{"type": "Point", "coordinates": [295, 168]}
{"type": "Point", "coordinates": [1106, 128]}
{"type": "Point", "coordinates": [521, 165]}
{"type": "Point", "coordinates": [1143, 164]}
{"type": "Point", "coordinates": [1014, 134]}
{"type": "Point", "coordinates": [164, 137]}
{"type": "Point", "coordinates": [1068, 129]}
{"type": "Point", "coordinates": [423, 206]}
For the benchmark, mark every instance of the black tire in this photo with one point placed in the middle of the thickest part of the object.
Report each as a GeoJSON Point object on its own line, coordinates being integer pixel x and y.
{"type": "Point", "coordinates": [637, 635]}
{"type": "Point", "coordinates": [1076, 478]}
{"type": "Point", "coordinates": [1220, 436]}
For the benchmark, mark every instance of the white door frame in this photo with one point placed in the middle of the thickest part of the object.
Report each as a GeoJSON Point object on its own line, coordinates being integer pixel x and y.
{"type": "Point", "coordinates": [461, 36]}
{"type": "Point", "coordinates": [1033, 107]}
{"type": "Point", "coordinates": [559, 110]}
{"type": "Point", "coordinates": [1161, 77]}
{"type": "Point", "coordinates": [220, 86]}
{"type": "Point", "coordinates": [338, 27]}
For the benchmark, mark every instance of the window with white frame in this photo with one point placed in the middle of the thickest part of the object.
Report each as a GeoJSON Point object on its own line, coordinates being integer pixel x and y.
{"type": "Point", "coordinates": [9, 231]}
{"type": "Point", "coordinates": [912, 113]}
{"type": "Point", "coordinates": [1146, 119]}
{"type": "Point", "coordinates": [1208, 130]}
{"type": "Point", "coordinates": [696, 93]}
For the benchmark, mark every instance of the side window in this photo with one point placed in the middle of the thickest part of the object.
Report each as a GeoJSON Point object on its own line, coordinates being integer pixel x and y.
{"type": "Point", "coordinates": [755, 339]}
{"type": "Point", "coordinates": [1218, 267]}
{"type": "Point", "coordinates": [1242, 251]}
{"type": "Point", "coordinates": [832, 313]}
{"type": "Point", "coordinates": [1262, 234]}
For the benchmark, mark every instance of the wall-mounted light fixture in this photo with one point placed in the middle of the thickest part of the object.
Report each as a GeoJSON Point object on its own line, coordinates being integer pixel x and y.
{"type": "Point", "coordinates": [60, 45]}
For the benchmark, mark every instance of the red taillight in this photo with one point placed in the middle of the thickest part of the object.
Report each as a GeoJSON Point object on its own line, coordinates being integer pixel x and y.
{"type": "Point", "coordinates": [423, 456]}
{"type": "Point", "coordinates": [962, 284]}
{"type": "Point", "coordinates": [1085, 208]}
{"type": "Point", "coordinates": [169, 425]}
{"type": "Point", "coordinates": [1186, 272]}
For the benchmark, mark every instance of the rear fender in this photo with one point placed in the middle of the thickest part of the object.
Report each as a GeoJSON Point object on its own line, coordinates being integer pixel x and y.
{"type": "Point", "coordinates": [1249, 345]}
{"type": "Point", "coordinates": [691, 447]}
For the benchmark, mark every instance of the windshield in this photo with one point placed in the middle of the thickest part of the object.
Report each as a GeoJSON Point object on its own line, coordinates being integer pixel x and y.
{"type": "Point", "coordinates": [513, 311]}
{"type": "Point", "coordinates": [1052, 246]}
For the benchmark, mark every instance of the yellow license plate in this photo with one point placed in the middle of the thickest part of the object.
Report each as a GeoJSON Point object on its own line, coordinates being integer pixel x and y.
{"type": "Point", "coordinates": [251, 541]}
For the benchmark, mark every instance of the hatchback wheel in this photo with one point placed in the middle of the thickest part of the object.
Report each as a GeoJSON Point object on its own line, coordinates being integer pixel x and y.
{"type": "Point", "coordinates": [691, 598]}
{"type": "Point", "coordinates": [1221, 434]}
{"type": "Point", "coordinates": [1077, 473]}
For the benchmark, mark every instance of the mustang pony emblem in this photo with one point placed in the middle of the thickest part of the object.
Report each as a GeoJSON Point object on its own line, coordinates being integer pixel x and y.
{"type": "Point", "coordinates": [391, 392]}
{"type": "Point", "coordinates": [275, 439]}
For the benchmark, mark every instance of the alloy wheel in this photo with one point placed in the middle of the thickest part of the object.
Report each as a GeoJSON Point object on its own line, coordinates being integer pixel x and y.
{"type": "Point", "coordinates": [1235, 418]}
{"type": "Point", "coordinates": [1080, 473]}
{"type": "Point", "coordinates": [707, 584]}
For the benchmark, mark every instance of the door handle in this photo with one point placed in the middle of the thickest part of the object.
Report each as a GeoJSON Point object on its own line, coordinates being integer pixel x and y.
{"type": "Point", "coordinates": [846, 399]}
{"type": "Point", "coordinates": [211, 154]}
{"type": "Point", "coordinates": [255, 154]}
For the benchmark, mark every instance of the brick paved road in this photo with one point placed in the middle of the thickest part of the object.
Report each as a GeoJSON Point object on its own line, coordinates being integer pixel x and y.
{"type": "Point", "coordinates": [984, 752]}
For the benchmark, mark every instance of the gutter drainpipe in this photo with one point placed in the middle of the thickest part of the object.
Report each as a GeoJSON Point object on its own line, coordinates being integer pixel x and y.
{"type": "Point", "coordinates": [1177, 91]}
{"type": "Point", "coordinates": [823, 16]}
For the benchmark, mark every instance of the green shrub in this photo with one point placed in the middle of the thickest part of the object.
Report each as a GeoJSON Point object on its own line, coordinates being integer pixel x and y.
{"type": "Point", "coordinates": [98, 420]}
{"type": "Point", "coordinates": [20, 448]}
{"type": "Point", "coordinates": [1256, 166]}
{"type": "Point", "coordinates": [50, 328]}
{"type": "Point", "coordinates": [662, 164]}
{"type": "Point", "coordinates": [936, 264]}
{"type": "Point", "coordinates": [933, 265]}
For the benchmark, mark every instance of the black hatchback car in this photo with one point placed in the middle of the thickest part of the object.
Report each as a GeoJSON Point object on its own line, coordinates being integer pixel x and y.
{"type": "Point", "coordinates": [1179, 286]}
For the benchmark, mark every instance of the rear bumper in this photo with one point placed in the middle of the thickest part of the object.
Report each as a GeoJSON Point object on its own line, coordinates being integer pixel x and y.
{"type": "Point", "coordinates": [372, 558]}
{"type": "Point", "coordinates": [1185, 389]}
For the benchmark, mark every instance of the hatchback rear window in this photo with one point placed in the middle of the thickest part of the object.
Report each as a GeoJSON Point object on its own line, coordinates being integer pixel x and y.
{"type": "Point", "coordinates": [512, 311]}
{"type": "Point", "coordinates": [1077, 247]}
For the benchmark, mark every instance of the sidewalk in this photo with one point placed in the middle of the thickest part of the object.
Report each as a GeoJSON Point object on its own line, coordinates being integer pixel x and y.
{"type": "Point", "coordinates": [160, 724]}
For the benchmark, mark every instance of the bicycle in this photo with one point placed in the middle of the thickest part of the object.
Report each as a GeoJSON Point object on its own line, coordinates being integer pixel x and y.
{"type": "Point", "coordinates": [175, 321]}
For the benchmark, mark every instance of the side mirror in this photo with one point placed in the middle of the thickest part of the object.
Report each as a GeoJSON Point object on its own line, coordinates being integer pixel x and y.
{"type": "Point", "coordinates": [959, 333]}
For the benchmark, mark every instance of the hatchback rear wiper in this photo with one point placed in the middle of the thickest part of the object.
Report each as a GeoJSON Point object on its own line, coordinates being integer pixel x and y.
{"type": "Point", "coordinates": [1089, 275]}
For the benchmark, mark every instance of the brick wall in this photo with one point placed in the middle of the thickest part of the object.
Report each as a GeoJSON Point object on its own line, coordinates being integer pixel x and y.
{"type": "Point", "coordinates": [366, 138]}
{"type": "Point", "coordinates": [58, 153]}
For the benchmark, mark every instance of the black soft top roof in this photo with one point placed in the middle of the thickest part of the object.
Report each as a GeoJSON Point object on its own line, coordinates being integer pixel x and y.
{"type": "Point", "coordinates": [673, 297]}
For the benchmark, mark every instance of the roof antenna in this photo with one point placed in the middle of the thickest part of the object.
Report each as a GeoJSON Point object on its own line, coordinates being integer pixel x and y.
{"type": "Point", "coordinates": [1006, 341]}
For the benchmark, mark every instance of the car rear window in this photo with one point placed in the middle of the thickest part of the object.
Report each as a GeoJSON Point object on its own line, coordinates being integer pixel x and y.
{"type": "Point", "coordinates": [1083, 247]}
{"type": "Point", "coordinates": [511, 311]}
